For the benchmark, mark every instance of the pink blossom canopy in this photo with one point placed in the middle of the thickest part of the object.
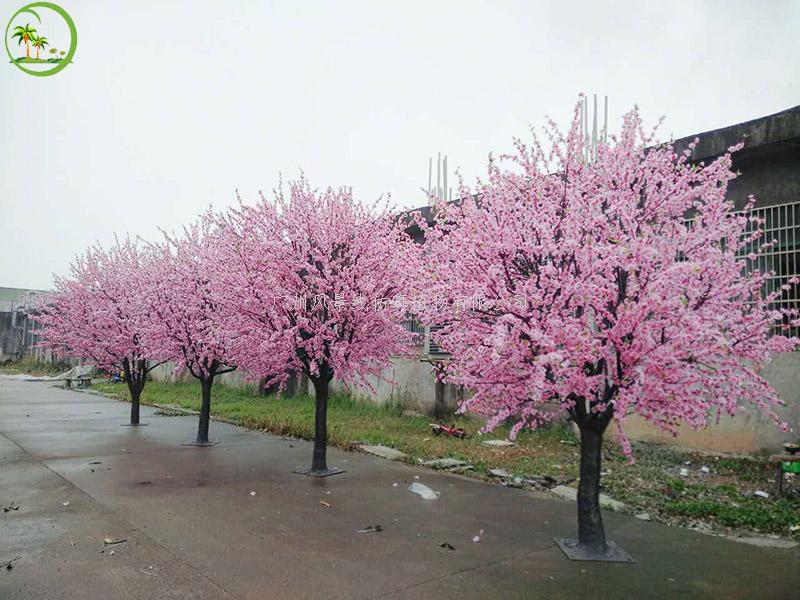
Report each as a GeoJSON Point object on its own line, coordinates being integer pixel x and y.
{"type": "Point", "coordinates": [95, 312]}
{"type": "Point", "coordinates": [312, 282]}
{"type": "Point", "coordinates": [615, 283]}
{"type": "Point", "coordinates": [184, 322]}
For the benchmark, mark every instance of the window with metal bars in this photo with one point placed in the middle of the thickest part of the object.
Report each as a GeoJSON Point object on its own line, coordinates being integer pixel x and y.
{"type": "Point", "coordinates": [412, 324]}
{"type": "Point", "coordinates": [433, 348]}
{"type": "Point", "coordinates": [781, 223]}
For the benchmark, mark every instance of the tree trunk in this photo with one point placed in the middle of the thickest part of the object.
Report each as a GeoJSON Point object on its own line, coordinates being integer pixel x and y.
{"type": "Point", "coordinates": [319, 462]}
{"type": "Point", "coordinates": [205, 410]}
{"type": "Point", "coordinates": [438, 403]}
{"type": "Point", "coordinates": [134, 378]}
{"type": "Point", "coordinates": [590, 522]}
{"type": "Point", "coordinates": [135, 394]}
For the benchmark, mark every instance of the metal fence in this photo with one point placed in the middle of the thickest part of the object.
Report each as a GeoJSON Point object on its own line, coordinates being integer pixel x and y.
{"type": "Point", "coordinates": [412, 324]}
{"type": "Point", "coordinates": [435, 349]}
{"type": "Point", "coordinates": [781, 225]}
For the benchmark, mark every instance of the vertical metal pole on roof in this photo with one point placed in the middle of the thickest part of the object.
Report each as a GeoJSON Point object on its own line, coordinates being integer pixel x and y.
{"type": "Point", "coordinates": [594, 130]}
{"type": "Point", "coordinates": [605, 120]}
{"type": "Point", "coordinates": [580, 115]}
{"type": "Point", "coordinates": [430, 173]}
{"type": "Point", "coordinates": [439, 175]}
{"type": "Point", "coordinates": [444, 179]}
{"type": "Point", "coordinates": [586, 128]}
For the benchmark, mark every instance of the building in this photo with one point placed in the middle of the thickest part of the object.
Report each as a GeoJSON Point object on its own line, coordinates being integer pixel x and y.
{"type": "Point", "coordinates": [769, 167]}
{"type": "Point", "coordinates": [17, 330]}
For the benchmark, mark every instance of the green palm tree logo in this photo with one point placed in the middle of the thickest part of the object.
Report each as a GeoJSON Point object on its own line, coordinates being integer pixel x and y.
{"type": "Point", "coordinates": [25, 34]}
{"type": "Point", "coordinates": [31, 36]}
{"type": "Point", "coordinates": [39, 43]}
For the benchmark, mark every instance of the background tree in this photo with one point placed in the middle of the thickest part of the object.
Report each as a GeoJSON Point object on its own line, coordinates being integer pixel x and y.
{"type": "Point", "coordinates": [96, 313]}
{"type": "Point", "coordinates": [39, 42]}
{"type": "Point", "coordinates": [600, 290]}
{"type": "Point", "coordinates": [312, 284]}
{"type": "Point", "coordinates": [24, 35]}
{"type": "Point", "coordinates": [53, 51]}
{"type": "Point", "coordinates": [184, 315]}
{"type": "Point", "coordinates": [62, 53]}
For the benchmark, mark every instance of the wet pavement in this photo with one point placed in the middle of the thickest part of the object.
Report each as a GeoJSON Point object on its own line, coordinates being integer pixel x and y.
{"type": "Point", "coordinates": [233, 521]}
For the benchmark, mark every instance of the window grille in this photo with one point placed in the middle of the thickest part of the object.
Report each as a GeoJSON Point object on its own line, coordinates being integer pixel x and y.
{"type": "Point", "coordinates": [780, 223]}
{"type": "Point", "coordinates": [412, 324]}
{"type": "Point", "coordinates": [433, 347]}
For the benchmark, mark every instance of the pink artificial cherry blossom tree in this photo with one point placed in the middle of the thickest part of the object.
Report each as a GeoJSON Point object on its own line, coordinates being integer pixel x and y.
{"type": "Point", "coordinates": [602, 289]}
{"type": "Point", "coordinates": [313, 283]}
{"type": "Point", "coordinates": [96, 313]}
{"type": "Point", "coordinates": [184, 324]}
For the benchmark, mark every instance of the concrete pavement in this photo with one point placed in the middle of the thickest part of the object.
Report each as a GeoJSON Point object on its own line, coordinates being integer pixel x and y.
{"type": "Point", "coordinates": [194, 529]}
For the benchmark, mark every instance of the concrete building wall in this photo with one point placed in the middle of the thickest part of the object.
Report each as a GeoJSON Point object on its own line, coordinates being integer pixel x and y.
{"type": "Point", "coordinates": [771, 174]}
{"type": "Point", "coordinates": [414, 387]}
{"type": "Point", "coordinates": [750, 430]}
{"type": "Point", "coordinates": [769, 162]}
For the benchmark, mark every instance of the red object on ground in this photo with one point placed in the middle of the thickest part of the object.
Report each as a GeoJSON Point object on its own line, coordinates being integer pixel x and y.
{"type": "Point", "coordinates": [453, 431]}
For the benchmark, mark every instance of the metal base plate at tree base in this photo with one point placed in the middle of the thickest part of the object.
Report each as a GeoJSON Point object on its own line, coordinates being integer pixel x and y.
{"type": "Point", "coordinates": [318, 473]}
{"type": "Point", "coordinates": [134, 424]}
{"type": "Point", "coordinates": [201, 444]}
{"type": "Point", "coordinates": [576, 551]}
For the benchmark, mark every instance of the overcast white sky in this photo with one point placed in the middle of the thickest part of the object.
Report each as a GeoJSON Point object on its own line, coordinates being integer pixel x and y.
{"type": "Point", "coordinates": [170, 106]}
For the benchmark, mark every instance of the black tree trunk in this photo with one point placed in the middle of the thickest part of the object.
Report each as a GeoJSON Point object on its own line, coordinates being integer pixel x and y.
{"type": "Point", "coordinates": [205, 409]}
{"type": "Point", "coordinates": [135, 373]}
{"type": "Point", "coordinates": [319, 462]}
{"type": "Point", "coordinates": [135, 394]}
{"type": "Point", "coordinates": [591, 533]}
{"type": "Point", "coordinates": [438, 402]}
